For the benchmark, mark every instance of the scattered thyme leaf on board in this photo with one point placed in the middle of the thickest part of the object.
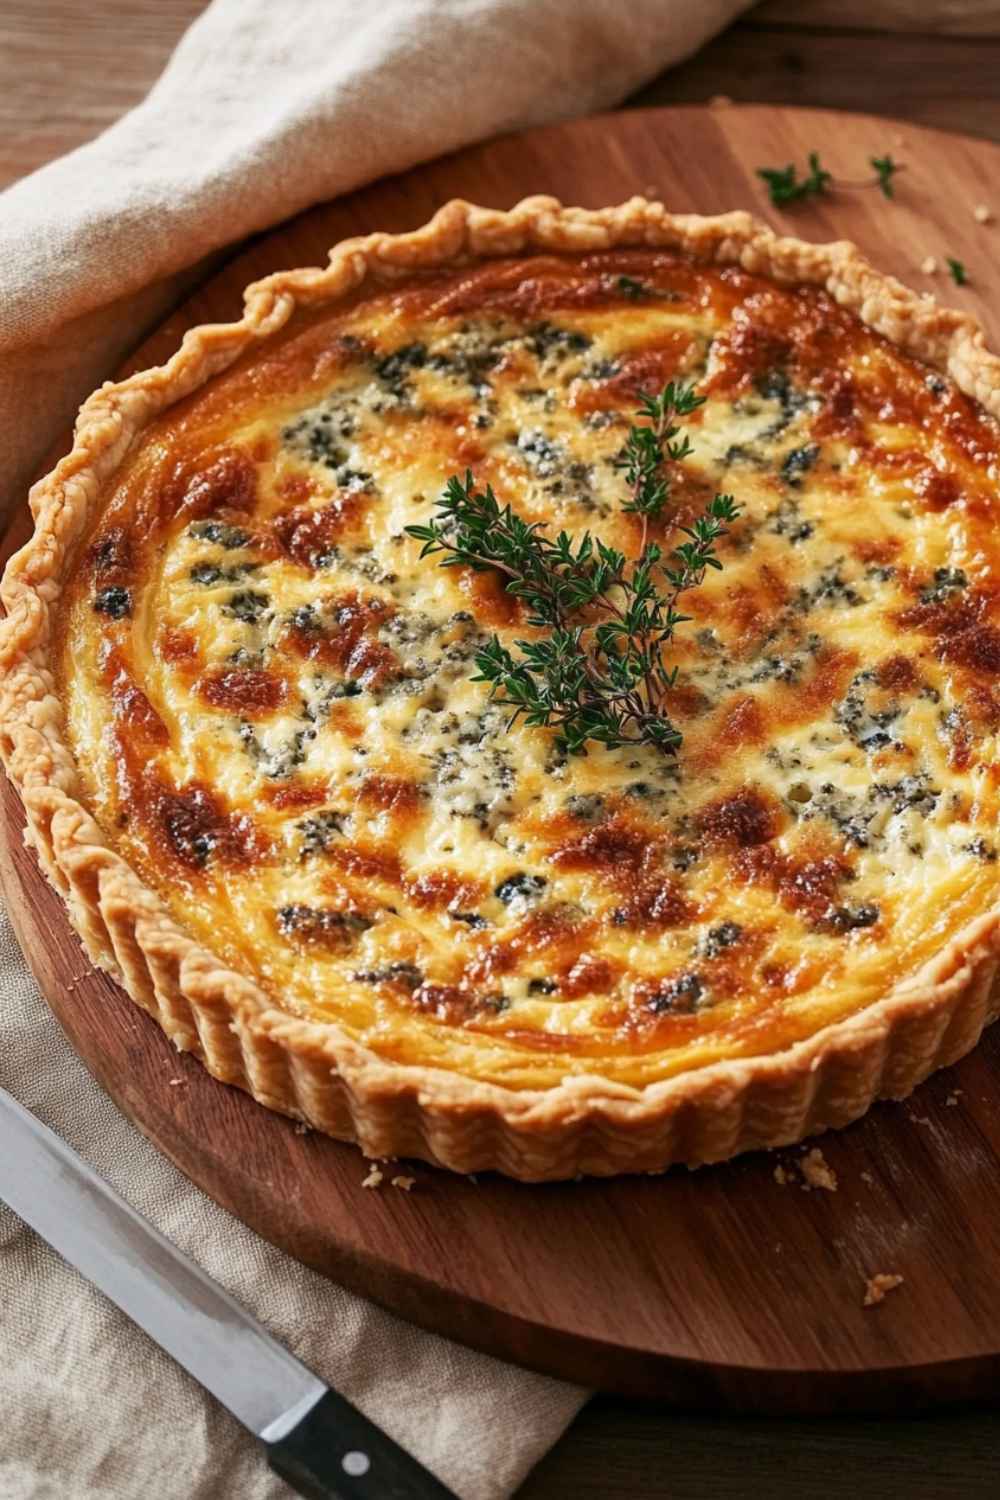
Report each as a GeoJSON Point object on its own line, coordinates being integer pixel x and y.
{"type": "Point", "coordinates": [957, 271]}
{"type": "Point", "coordinates": [598, 675]}
{"type": "Point", "coordinates": [784, 185]}
{"type": "Point", "coordinates": [885, 171]}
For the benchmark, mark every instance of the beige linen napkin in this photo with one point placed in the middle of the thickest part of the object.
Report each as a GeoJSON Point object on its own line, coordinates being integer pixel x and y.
{"type": "Point", "coordinates": [263, 110]}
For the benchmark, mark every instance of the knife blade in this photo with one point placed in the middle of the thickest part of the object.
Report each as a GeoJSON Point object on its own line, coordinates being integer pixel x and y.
{"type": "Point", "coordinates": [313, 1438]}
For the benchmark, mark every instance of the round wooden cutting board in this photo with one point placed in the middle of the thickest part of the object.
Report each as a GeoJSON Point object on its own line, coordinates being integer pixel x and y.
{"type": "Point", "coordinates": [720, 1286]}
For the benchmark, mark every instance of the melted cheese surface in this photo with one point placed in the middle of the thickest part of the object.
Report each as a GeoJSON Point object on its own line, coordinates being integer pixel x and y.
{"type": "Point", "coordinates": [269, 694]}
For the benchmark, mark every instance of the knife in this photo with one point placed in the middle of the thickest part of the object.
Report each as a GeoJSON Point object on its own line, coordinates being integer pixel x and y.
{"type": "Point", "coordinates": [314, 1439]}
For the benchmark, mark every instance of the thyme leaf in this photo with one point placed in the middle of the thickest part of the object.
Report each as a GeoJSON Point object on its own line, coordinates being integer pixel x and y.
{"type": "Point", "coordinates": [632, 288]}
{"type": "Point", "coordinates": [785, 186]}
{"type": "Point", "coordinates": [885, 170]}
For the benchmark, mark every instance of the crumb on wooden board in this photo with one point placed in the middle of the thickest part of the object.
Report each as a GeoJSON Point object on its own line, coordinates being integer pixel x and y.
{"type": "Point", "coordinates": [376, 1177]}
{"type": "Point", "coordinates": [877, 1287]}
{"type": "Point", "coordinates": [817, 1171]}
{"type": "Point", "coordinates": [810, 1171]}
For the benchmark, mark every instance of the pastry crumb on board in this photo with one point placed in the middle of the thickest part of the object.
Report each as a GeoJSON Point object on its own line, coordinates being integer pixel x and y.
{"type": "Point", "coordinates": [810, 1171]}
{"type": "Point", "coordinates": [817, 1171]}
{"type": "Point", "coordinates": [376, 1177]}
{"type": "Point", "coordinates": [877, 1287]}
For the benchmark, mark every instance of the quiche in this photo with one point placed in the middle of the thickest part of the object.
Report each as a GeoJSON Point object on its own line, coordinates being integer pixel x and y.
{"type": "Point", "coordinates": [242, 708]}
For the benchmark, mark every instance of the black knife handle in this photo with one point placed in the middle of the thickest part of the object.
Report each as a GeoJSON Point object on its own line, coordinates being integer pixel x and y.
{"type": "Point", "coordinates": [334, 1453]}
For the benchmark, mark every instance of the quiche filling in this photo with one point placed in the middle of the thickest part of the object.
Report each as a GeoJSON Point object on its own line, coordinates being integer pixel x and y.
{"type": "Point", "coordinates": [270, 697]}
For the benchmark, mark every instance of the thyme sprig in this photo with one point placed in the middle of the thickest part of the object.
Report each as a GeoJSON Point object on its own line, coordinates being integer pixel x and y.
{"type": "Point", "coordinates": [647, 447]}
{"type": "Point", "coordinates": [784, 185]}
{"type": "Point", "coordinates": [598, 674]}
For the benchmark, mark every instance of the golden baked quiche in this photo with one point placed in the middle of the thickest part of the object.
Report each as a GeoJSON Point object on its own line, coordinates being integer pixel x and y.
{"type": "Point", "coordinates": [321, 686]}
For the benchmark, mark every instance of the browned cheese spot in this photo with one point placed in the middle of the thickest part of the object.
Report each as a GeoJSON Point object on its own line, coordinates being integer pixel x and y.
{"type": "Point", "coordinates": [742, 820]}
{"type": "Point", "coordinates": [251, 694]}
{"type": "Point", "coordinates": [347, 640]}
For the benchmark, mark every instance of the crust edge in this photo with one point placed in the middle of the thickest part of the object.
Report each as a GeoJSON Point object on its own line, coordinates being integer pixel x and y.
{"type": "Point", "coordinates": [314, 1072]}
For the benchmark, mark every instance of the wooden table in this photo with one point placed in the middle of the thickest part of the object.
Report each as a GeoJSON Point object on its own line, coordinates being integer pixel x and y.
{"type": "Point", "coordinates": [67, 70]}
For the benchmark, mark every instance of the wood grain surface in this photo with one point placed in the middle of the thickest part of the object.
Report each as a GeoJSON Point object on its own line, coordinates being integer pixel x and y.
{"type": "Point", "coordinates": [69, 68]}
{"type": "Point", "coordinates": [715, 1287]}
{"type": "Point", "coordinates": [951, 82]}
